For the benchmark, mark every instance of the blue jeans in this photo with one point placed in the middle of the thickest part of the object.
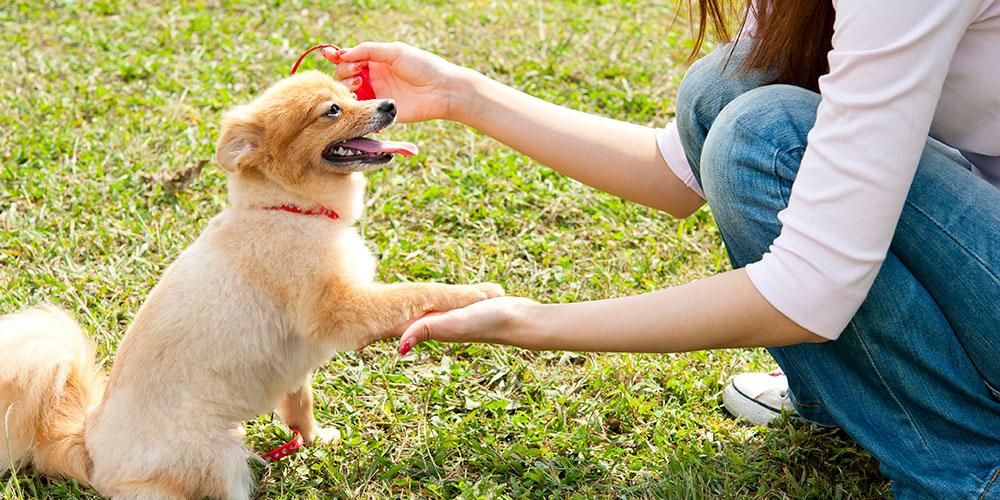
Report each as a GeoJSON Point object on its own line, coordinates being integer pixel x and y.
{"type": "Point", "coordinates": [912, 378]}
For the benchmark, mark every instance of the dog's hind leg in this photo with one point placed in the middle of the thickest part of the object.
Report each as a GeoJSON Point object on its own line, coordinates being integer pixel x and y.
{"type": "Point", "coordinates": [183, 465]}
{"type": "Point", "coordinates": [296, 409]}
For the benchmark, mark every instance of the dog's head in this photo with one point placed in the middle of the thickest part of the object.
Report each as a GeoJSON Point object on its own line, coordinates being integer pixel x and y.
{"type": "Point", "coordinates": [305, 133]}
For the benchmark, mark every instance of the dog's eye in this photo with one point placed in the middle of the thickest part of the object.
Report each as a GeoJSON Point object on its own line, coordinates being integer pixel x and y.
{"type": "Point", "coordinates": [333, 111]}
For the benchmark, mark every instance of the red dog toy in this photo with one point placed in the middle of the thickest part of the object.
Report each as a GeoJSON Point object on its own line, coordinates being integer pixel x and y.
{"type": "Point", "coordinates": [364, 92]}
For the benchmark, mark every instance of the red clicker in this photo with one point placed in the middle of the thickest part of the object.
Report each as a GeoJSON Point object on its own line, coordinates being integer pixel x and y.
{"type": "Point", "coordinates": [363, 93]}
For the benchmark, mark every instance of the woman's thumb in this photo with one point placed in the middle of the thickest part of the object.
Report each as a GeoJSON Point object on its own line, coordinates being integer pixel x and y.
{"type": "Point", "coordinates": [418, 331]}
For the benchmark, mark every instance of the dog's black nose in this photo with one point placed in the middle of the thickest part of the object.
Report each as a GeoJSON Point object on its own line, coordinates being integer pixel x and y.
{"type": "Point", "coordinates": [388, 107]}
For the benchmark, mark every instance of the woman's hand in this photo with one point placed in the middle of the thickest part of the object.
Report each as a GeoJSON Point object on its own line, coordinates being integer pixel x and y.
{"type": "Point", "coordinates": [423, 84]}
{"type": "Point", "coordinates": [497, 321]}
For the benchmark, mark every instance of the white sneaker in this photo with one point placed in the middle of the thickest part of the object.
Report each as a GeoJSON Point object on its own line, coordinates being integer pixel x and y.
{"type": "Point", "coordinates": [757, 397]}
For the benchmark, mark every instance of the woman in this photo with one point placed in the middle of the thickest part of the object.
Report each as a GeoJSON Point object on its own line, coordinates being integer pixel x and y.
{"type": "Point", "coordinates": [860, 209]}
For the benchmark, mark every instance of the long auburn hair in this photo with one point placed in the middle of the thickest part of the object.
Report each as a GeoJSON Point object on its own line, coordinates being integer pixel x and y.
{"type": "Point", "coordinates": [792, 37]}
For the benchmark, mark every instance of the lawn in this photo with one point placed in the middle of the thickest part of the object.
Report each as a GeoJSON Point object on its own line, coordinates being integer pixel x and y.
{"type": "Point", "coordinates": [109, 121]}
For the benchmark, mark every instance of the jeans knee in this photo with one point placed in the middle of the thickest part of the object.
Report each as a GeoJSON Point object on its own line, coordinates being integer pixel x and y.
{"type": "Point", "coordinates": [701, 82]}
{"type": "Point", "coordinates": [707, 87]}
{"type": "Point", "coordinates": [760, 127]}
{"type": "Point", "coordinates": [749, 160]}
{"type": "Point", "coordinates": [713, 80]}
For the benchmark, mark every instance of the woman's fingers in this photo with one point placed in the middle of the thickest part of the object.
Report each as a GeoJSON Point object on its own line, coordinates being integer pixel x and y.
{"type": "Point", "coordinates": [331, 54]}
{"type": "Point", "coordinates": [353, 83]}
{"type": "Point", "coordinates": [383, 52]}
{"type": "Point", "coordinates": [348, 70]}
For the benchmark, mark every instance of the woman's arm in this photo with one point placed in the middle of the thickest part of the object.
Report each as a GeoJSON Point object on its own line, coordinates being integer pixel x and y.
{"type": "Point", "coordinates": [724, 310]}
{"type": "Point", "coordinates": [616, 157]}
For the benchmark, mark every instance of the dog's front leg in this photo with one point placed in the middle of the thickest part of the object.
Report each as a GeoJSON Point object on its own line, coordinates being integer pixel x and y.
{"type": "Point", "coordinates": [296, 409]}
{"type": "Point", "coordinates": [376, 311]}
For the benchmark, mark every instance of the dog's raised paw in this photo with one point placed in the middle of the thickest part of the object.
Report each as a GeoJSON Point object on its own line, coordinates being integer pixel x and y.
{"type": "Point", "coordinates": [491, 290]}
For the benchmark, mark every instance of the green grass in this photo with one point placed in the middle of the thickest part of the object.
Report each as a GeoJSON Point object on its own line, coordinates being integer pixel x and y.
{"type": "Point", "coordinates": [98, 95]}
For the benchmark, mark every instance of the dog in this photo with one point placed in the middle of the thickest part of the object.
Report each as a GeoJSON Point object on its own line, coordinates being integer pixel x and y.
{"type": "Point", "coordinates": [273, 287]}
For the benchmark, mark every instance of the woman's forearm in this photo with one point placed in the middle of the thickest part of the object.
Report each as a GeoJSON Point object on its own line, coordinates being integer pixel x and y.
{"type": "Point", "coordinates": [613, 156]}
{"type": "Point", "coordinates": [721, 311]}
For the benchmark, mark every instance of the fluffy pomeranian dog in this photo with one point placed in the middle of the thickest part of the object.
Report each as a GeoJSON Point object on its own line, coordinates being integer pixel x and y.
{"type": "Point", "coordinates": [269, 291]}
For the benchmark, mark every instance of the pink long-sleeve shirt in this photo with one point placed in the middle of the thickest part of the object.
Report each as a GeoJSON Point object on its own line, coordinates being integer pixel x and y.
{"type": "Point", "coordinates": [900, 70]}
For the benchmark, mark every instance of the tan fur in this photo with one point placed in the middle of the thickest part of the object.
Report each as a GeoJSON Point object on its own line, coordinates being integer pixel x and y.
{"type": "Point", "coordinates": [48, 379]}
{"type": "Point", "coordinates": [235, 326]}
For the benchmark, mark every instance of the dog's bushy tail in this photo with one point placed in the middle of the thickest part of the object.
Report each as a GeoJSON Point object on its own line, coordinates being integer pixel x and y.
{"type": "Point", "coordinates": [48, 380]}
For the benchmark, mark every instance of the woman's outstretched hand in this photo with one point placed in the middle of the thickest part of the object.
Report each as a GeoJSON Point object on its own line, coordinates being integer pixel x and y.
{"type": "Point", "coordinates": [422, 84]}
{"type": "Point", "coordinates": [496, 321]}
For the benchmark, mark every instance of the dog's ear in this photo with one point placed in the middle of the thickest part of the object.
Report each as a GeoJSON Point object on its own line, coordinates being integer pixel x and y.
{"type": "Point", "coordinates": [240, 139]}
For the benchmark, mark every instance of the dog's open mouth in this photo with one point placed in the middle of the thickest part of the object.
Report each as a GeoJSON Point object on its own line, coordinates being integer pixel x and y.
{"type": "Point", "coordinates": [362, 149]}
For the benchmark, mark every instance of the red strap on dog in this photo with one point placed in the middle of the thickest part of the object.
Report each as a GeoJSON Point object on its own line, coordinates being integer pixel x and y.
{"type": "Point", "coordinates": [364, 92]}
{"type": "Point", "coordinates": [285, 449]}
{"type": "Point", "coordinates": [288, 207]}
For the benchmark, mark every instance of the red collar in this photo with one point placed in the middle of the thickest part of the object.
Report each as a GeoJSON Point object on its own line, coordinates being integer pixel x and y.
{"type": "Point", "coordinates": [285, 449]}
{"type": "Point", "coordinates": [288, 207]}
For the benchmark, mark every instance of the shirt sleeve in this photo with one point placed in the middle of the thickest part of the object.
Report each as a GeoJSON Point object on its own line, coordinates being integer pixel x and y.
{"type": "Point", "coordinates": [668, 140]}
{"type": "Point", "coordinates": [887, 68]}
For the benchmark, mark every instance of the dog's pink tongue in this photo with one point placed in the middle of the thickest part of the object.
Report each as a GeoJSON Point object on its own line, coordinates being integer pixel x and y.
{"type": "Point", "coordinates": [373, 146]}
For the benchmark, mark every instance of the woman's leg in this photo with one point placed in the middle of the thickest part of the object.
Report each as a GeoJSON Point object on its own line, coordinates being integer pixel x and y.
{"type": "Point", "coordinates": [708, 87]}
{"type": "Point", "coordinates": [907, 377]}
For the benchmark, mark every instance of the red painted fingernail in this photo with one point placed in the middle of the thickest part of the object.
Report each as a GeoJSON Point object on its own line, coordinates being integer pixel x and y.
{"type": "Point", "coordinates": [405, 348]}
{"type": "Point", "coordinates": [356, 67]}
{"type": "Point", "coordinates": [340, 52]}
{"type": "Point", "coordinates": [329, 53]}
{"type": "Point", "coordinates": [356, 83]}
